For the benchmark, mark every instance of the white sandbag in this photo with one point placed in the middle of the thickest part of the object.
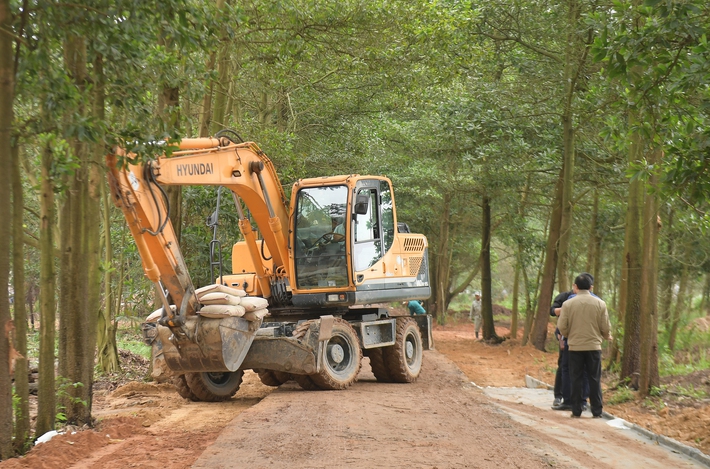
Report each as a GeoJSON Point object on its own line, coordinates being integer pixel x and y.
{"type": "Point", "coordinates": [221, 311]}
{"type": "Point", "coordinates": [155, 315]}
{"type": "Point", "coordinates": [219, 299]}
{"type": "Point", "coordinates": [253, 303]}
{"type": "Point", "coordinates": [220, 289]}
{"type": "Point", "coordinates": [256, 315]}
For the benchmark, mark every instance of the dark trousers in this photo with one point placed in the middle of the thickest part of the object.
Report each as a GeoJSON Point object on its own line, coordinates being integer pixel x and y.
{"type": "Point", "coordinates": [566, 379]}
{"type": "Point", "coordinates": [558, 377]}
{"type": "Point", "coordinates": [591, 362]}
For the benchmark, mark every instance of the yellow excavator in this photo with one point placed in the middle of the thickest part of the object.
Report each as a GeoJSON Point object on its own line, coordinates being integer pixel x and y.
{"type": "Point", "coordinates": [323, 263]}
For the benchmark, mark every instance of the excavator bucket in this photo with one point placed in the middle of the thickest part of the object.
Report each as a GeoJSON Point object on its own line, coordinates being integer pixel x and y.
{"type": "Point", "coordinates": [209, 344]}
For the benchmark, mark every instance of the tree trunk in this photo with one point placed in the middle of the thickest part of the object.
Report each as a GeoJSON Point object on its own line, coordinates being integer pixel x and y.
{"type": "Point", "coordinates": [566, 218]}
{"type": "Point", "coordinates": [46, 401]}
{"type": "Point", "coordinates": [648, 376]}
{"type": "Point", "coordinates": [106, 330]}
{"type": "Point", "coordinates": [489, 330]}
{"type": "Point", "coordinates": [442, 261]}
{"type": "Point", "coordinates": [631, 269]}
{"type": "Point", "coordinates": [542, 317]}
{"type": "Point", "coordinates": [79, 293]}
{"type": "Point", "coordinates": [680, 306]}
{"type": "Point", "coordinates": [6, 163]}
{"type": "Point", "coordinates": [221, 89]}
{"type": "Point", "coordinates": [22, 385]}
{"type": "Point", "coordinates": [528, 307]}
{"type": "Point", "coordinates": [514, 314]}
{"type": "Point", "coordinates": [668, 276]}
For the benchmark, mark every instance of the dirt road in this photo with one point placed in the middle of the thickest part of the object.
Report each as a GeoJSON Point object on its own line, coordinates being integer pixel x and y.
{"type": "Point", "coordinates": [441, 421]}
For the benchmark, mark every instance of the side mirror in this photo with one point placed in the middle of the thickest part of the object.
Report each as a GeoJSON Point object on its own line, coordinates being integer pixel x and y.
{"type": "Point", "coordinates": [362, 203]}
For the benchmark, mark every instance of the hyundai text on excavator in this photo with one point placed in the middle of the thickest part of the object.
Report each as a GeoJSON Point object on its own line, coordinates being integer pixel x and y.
{"type": "Point", "coordinates": [324, 262]}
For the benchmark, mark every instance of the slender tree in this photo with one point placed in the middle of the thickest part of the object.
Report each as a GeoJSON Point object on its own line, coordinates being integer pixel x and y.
{"type": "Point", "coordinates": [22, 414]}
{"type": "Point", "coordinates": [6, 163]}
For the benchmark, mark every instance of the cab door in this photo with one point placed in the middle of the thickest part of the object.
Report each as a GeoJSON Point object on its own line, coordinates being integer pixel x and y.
{"type": "Point", "coordinates": [370, 238]}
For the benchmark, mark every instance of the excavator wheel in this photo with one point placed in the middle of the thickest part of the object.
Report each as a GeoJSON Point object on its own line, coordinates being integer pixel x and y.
{"type": "Point", "coordinates": [378, 365]}
{"type": "Point", "coordinates": [273, 378]}
{"type": "Point", "coordinates": [342, 356]}
{"type": "Point", "coordinates": [214, 387]}
{"type": "Point", "coordinates": [404, 358]}
{"type": "Point", "coordinates": [182, 388]}
{"type": "Point", "coordinates": [306, 382]}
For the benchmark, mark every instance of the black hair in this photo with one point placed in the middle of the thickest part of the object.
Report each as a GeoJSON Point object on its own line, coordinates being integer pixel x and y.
{"type": "Point", "coordinates": [589, 276]}
{"type": "Point", "coordinates": [583, 282]}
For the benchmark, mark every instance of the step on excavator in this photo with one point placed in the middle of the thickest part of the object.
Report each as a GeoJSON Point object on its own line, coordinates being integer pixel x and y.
{"type": "Point", "coordinates": [304, 297]}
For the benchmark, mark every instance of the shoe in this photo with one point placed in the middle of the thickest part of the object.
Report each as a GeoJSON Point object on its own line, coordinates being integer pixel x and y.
{"type": "Point", "coordinates": [562, 406]}
{"type": "Point", "coordinates": [477, 335]}
{"type": "Point", "coordinates": [584, 406]}
{"type": "Point", "coordinates": [597, 416]}
{"type": "Point", "coordinates": [557, 401]}
{"type": "Point", "coordinates": [576, 416]}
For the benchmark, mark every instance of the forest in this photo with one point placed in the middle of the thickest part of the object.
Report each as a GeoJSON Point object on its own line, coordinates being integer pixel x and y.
{"type": "Point", "coordinates": [554, 136]}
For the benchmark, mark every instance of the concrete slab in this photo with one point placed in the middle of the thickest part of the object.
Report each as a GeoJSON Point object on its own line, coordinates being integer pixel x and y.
{"type": "Point", "coordinates": [520, 402]}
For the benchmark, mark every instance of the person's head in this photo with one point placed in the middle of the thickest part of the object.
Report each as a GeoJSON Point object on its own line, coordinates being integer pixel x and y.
{"type": "Point", "coordinates": [477, 294]}
{"type": "Point", "coordinates": [589, 276]}
{"type": "Point", "coordinates": [583, 281]}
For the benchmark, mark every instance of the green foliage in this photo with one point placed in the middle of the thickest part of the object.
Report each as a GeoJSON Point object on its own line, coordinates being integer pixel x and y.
{"type": "Point", "coordinates": [621, 394]}
{"type": "Point", "coordinates": [65, 394]}
{"type": "Point", "coordinates": [131, 339]}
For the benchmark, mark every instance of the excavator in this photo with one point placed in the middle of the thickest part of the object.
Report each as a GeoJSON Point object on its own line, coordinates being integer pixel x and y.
{"type": "Point", "coordinates": [325, 262]}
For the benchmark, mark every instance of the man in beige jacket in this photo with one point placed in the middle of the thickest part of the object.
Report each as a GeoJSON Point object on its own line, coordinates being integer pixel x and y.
{"type": "Point", "coordinates": [584, 320]}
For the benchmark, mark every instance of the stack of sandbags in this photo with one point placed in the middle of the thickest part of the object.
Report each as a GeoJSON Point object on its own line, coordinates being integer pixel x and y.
{"type": "Point", "coordinates": [219, 301]}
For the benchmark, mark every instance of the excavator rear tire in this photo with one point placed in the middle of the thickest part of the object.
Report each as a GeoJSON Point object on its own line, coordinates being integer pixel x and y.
{"type": "Point", "coordinates": [404, 358]}
{"type": "Point", "coordinates": [214, 387]}
{"type": "Point", "coordinates": [378, 365]}
{"type": "Point", "coordinates": [182, 388]}
{"type": "Point", "coordinates": [306, 382]}
{"type": "Point", "coordinates": [341, 359]}
{"type": "Point", "coordinates": [273, 378]}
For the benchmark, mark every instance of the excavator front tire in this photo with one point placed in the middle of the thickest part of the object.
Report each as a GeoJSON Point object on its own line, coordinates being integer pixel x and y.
{"type": "Point", "coordinates": [214, 387]}
{"type": "Point", "coordinates": [403, 360]}
{"type": "Point", "coordinates": [342, 356]}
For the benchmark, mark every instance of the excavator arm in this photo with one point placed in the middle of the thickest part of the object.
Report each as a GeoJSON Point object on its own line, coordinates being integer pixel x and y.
{"type": "Point", "coordinates": [241, 167]}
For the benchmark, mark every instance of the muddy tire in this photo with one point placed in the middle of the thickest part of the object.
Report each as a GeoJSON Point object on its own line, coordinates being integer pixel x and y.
{"type": "Point", "coordinates": [273, 378]}
{"type": "Point", "coordinates": [306, 382]}
{"type": "Point", "coordinates": [404, 359]}
{"type": "Point", "coordinates": [341, 359]}
{"type": "Point", "coordinates": [378, 365]}
{"type": "Point", "coordinates": [300, 331]}
{"type": "Point", "coordinates": [182, 388]}
{"type": "Point", "coordinates": [214, 387]}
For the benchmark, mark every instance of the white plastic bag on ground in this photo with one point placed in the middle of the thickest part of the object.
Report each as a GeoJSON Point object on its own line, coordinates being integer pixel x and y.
{"type": "Point", "coordinates": [46, 437]}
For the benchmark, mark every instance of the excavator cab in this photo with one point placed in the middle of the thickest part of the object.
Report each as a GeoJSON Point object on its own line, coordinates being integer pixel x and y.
{"type": "Point", "coordinates": [320, 257]}
{"type": "Point", "coordinates": [345, 242]}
